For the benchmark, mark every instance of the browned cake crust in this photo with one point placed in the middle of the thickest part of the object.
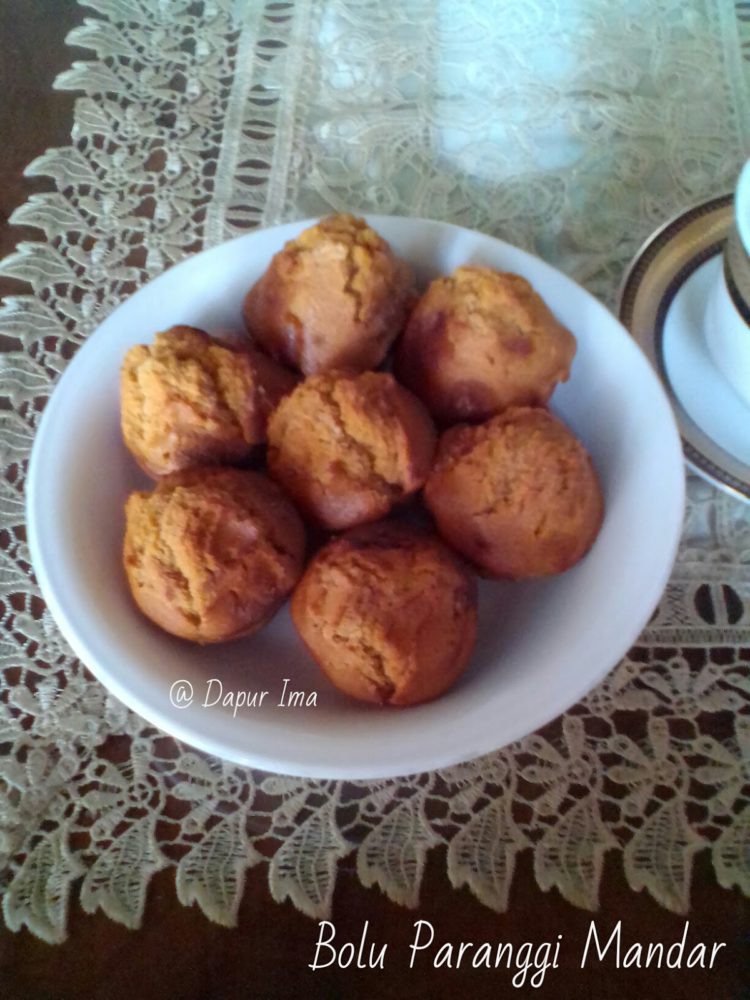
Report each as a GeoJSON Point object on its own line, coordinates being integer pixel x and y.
{"type": "Point", "coordinates": [517, 495]}
{"type": "Point", "coordinates": [479, 341]}
{"type": "Point", "coordinates": [335, 297]}
{"type": "Point", "coordinates": [212, 553]}
{"type": "Point", "coordinates": [348, 447]}
{"type": "Point", "coordinates": [187, 400]}
{"type": "Point", "coordinates": [388, 613]}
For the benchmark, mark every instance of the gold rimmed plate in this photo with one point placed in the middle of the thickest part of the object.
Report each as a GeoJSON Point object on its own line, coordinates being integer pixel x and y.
{"type": "Point", "coordinates": [662, 302]}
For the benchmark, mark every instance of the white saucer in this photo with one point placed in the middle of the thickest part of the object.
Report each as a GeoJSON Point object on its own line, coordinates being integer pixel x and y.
{"type": "Point", "coordinates": [662, 302]}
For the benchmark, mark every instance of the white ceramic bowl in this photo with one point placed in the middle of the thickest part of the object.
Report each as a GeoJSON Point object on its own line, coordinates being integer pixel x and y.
{"type": "Point", "coordinates": [542, 645]}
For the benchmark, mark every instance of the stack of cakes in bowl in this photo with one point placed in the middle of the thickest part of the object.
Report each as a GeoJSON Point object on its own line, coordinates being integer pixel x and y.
{"type": "Point", "coordinates": [366, 451]}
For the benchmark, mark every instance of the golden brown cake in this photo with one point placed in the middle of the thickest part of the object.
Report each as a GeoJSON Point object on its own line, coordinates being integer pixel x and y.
{"type": "Point", "coordinates": [479, 341]}
{"type": "Point", "coordinates": [388, 613]}
{"type": "Point", "coordinates": [335, 297]}
{"type": "Point", "coordinates": [212, 553]}
{"type": "Point", "coordinates": [348, 447]}
{"type": "Point", "coordinates": [187, 400]}
{"type": "Point", "coordinates": [517, 495]}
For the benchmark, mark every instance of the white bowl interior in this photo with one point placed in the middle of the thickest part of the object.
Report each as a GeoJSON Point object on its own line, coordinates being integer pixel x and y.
{"type": "Point", "coordinates": [542, 644]}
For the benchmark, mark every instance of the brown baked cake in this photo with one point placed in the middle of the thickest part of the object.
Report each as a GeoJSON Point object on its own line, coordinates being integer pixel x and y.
{"type": "Point", "coordinates": [388, 613]}
{"type": "Point", "coordinates": [335, 297]}
{"type": "Point", "coordinates": [479, 341]}
{"type": "Point", "coordinates": [212, 553]}
{"type": "Point", "coordinates": [187, 400]}
{"type": "Point", "coordinates": [517, 495]}
{"type": "Point", "coordinates": [348, 447]}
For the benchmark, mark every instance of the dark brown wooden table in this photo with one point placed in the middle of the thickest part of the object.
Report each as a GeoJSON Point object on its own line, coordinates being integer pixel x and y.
{"type": "Point", "coordinates": [178, 953]}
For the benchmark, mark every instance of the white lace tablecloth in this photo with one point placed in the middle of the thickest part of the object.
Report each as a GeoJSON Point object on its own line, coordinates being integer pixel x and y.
{"type": "Point", "coordinates": [568, 128]}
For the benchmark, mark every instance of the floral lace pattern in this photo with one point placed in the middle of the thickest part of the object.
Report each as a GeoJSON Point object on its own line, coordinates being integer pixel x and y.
{"type": "Point", "coordinates": [572, 134]}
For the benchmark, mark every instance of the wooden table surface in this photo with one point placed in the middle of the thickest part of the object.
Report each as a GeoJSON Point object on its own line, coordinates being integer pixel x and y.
{"type": "Point", "coordinates": [178, 953]}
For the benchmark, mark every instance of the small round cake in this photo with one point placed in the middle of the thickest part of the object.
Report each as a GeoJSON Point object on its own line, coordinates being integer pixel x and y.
{"type": "Point", "coordinates": [388, 613]}
{"type": "Point", "coordinates": [212, 553]}
{"type": "Point", "coordinates": [187, 400]}
{"type": "Point", "coordinates": [335, 297]}
{"type": "Point", "coordinates": [348, 447]}
{"type": "Point", "coordinates": [517, 495]}
{"type": "Point", "coordinates": [479, 341]}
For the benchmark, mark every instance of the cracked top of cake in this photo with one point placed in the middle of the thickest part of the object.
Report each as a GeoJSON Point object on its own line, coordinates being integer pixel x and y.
{"type": "Point", "coordinates": [481, 340]}
{"type": "Point", "coordinates": [388, 613]}
{"type": "Point", "coordinates": [335, 297]}
{"type": "Point", "coordinates": [187, 400]}
{"type": "Point", "coordinates": [517, 495]}
{"type": "Point", "coordinates": [211, 553]}
{"type": "Point", "coordinates": [348, 447]}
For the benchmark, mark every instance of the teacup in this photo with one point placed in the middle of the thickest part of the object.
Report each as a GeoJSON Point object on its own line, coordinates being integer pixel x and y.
{"type": "Point", "coordinates": [727, 318]}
